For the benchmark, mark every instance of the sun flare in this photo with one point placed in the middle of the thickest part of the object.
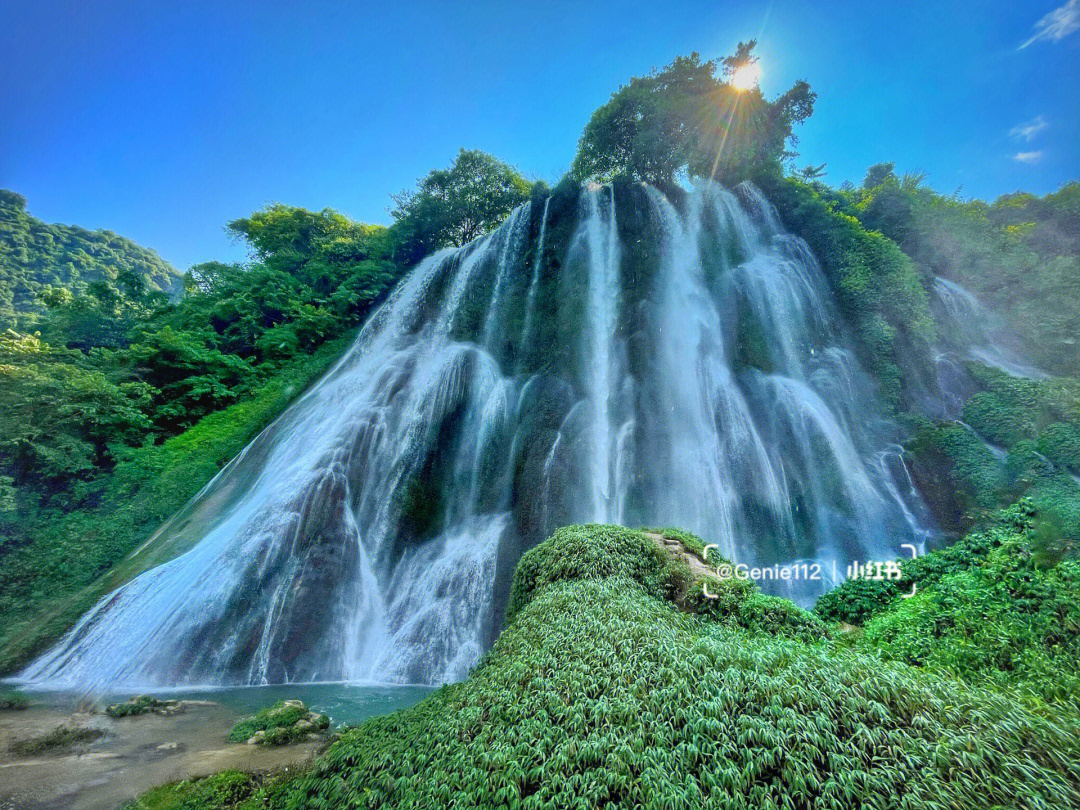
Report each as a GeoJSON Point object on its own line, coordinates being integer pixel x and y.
{"type": "Point", "coordinates": [746, 77]}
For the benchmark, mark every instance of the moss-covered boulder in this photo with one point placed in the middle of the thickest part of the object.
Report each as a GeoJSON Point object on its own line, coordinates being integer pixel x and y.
{"type": "Point", "coordinates": [285, 722]}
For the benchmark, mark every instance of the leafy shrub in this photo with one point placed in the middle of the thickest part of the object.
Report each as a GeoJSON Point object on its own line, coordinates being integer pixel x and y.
{"type": "Point", "coordinates": [143, 704]}
{"type": "Point", "coordinates": [1003, 620]}
{"type": "Point", "coordinates": [222, 790]}
{"type": "Point", "coordinates": [596, 552]}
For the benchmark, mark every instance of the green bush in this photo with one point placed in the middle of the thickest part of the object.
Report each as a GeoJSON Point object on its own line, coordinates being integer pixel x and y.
{"type": "Point", "coordinates": [143, 704]}
{"type": "Point", "coordinates": [596, 552]}
{"type": "Point", "coordinates": [227, 789]}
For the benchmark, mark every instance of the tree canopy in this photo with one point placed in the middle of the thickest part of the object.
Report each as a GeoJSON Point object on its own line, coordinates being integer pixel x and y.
{"type": "Point", "coordinates": [688, 118]}
{"type": "Point", "coordinates": [455, 205]}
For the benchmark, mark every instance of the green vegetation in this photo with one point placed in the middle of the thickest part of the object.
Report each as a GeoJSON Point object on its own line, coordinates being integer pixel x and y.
{"type": "Point", "coordinates": [227, 789]}
{"type": "Point", "coordinates": [685, 118]}
{"type": "Point", "coordinates": [1034, 425]}
{"type": "Point", "coordinates": [59, 737]}
{"type": "Point", "coordinates": [282, 723]}
{"type": "Point", "coordinates": [1019, 255]}
{"type": "Point", "coordinates": [602, 692]}
{"type": "Point", "coordinates": [453, 206]}
{"type": "Point", "coordinates": [40, 261]}
{"type": "Point", "coordinates": [1006, 620]}
{"type": "Point", "coordinates": [12, 701]}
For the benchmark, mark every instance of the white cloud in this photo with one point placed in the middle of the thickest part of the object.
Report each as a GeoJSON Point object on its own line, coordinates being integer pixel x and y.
{"type": "Point", "coordinates": [1028, 157]}
{"type": "Point", "coordinates": [1058, 24]}
{"type": "Point", "coordinates": [1029, 129]}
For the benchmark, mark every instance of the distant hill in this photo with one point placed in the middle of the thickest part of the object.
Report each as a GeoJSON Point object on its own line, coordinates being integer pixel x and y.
{"type": "Point", "coordinates": [34, 254]}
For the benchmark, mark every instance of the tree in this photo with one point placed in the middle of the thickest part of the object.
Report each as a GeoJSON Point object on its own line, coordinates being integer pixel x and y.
{"type": "Point", "coordinates": [686, 118]}
{"type": "Point", "coordinates": [879, 173]}
{"type": "Point", "coordinates": [453, 206]}
{"type": "Point", "coordinates": [60, 419]}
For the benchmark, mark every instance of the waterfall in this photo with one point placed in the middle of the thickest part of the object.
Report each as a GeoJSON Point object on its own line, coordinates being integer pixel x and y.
{"type": "Point", "coordinates": [663, 362]}
{"type": "Point", "coordinates": [974, 330]}
{"type": "Point", "coordinates": [534, 283]}
{"type": "Point", "coordinates": [599, 236]}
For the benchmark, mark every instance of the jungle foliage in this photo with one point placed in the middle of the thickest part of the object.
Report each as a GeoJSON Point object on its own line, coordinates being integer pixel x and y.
{"type": "Point", "coordinates": [1020, 255]}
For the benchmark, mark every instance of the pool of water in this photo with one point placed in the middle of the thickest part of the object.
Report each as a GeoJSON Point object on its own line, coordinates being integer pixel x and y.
{"type": "Point", "coordinates": [344, 703]}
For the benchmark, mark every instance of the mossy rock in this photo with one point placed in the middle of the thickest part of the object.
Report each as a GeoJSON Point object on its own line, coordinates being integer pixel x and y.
{"type": "Point", "coordinates": [285, 722]}
{"type": "Point", "coordinates": [144, 704]}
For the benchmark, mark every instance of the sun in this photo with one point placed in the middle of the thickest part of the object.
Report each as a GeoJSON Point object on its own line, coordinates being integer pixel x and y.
{"type": "Point", "coordinates": [746, 77]}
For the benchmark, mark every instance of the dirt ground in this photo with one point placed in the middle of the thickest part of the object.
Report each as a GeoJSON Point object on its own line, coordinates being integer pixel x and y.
{"type": "Point", "coordinates": [134, 755]}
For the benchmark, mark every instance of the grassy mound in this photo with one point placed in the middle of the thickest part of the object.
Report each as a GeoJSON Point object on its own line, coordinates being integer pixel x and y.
{"type": "Point", "coordinates": [225, 789]}
{"type": "Point", "coordinates": [601, 692]}
{"type": "Point", "coordinates": [282, 723]}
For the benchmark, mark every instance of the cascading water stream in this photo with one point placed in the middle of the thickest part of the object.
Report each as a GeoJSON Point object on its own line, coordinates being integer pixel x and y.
{"type": "Point", "coordinates": [534, 284]}
{"type": "Point", "coordinates": [660, 362]}
{"type": "Point", "coordinates": [978, 332]}
{"type": "Point", "coordinates": [600, 238]}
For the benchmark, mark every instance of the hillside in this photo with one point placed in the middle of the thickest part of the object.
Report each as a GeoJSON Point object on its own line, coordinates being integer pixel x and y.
{"type": "Point", "coordinates": [35, 256]}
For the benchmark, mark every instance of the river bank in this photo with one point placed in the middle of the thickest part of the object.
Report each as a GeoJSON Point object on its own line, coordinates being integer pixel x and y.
{"type": "Point", "coordinates": [119, 759]}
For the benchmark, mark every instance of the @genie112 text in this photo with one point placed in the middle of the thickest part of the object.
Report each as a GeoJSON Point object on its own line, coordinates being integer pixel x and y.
{"type": "Point", "coordinates": [872, 570]}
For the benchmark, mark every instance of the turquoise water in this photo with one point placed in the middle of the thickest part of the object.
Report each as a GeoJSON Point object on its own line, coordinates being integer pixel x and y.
{"type": "Point", "coordinates": [344, 703]}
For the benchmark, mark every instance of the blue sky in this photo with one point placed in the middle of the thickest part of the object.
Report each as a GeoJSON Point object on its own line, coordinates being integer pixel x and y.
{"type": "Point", "coordinates": [162, 121]}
